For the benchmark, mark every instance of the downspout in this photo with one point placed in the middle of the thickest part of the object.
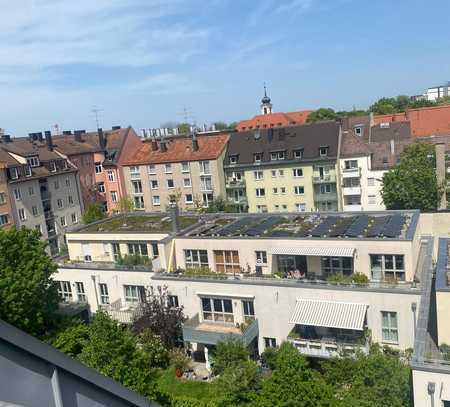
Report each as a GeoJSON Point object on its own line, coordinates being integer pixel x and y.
{"type": "Point", "coordinates": [338, 169]}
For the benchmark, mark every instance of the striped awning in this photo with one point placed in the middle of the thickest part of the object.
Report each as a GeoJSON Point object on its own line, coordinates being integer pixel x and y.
{"type": "Point", "coordinates": [331, 314]}
{"type": "Point", "coordinates": [314, 251]}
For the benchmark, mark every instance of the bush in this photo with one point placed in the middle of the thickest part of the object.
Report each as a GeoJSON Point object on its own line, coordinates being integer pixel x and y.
{"type": "Point", "coordinates": [355, 278]}
{"type": "Point", "coordinates": [133, 260]}
{"type": "Point", "coordinates": [360, 278]}
{"type": "Point", "coordinates": [228, 353]}
{"type": "Point", "coordinates": [269, 357]}
{"type": "Point", "coordinates": [199, 272]}
{"type": "Point", "coordinates": [179, 360]}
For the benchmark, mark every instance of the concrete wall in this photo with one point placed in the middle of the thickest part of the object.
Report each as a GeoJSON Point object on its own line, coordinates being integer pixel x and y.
{"type": "Point", "coordinates": [439, 380]}
{"type": "Point", "coordinates": [442, 313]}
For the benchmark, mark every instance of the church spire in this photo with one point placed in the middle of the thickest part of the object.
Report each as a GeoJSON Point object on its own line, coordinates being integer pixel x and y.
{"type": "Point", "coordinates": [266, 105]}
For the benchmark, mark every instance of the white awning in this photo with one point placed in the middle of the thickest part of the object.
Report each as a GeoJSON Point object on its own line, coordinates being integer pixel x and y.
{"type": "Point", "coordinates": [344, 315]}
{"type": "Point", "coordinates": [314, 251]}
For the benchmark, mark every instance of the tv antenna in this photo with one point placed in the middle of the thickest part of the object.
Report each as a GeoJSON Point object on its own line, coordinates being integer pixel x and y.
{"type": "Point", "coordinates": [96, 112]}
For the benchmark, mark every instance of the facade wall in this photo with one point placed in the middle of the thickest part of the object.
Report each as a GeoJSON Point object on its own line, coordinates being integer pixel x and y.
{"type": "Point", "coordinates": [439, 380]}
{"type": "Point", "coordinates": [443, 323]}
{"type": "Point", "coordinates": [5, 202]}
{"type": "Point", "coordinates": [86, 171]}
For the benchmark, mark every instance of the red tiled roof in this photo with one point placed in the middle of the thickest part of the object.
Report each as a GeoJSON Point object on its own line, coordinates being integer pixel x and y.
{"type": "Point", "coordinates": [178, 149]}
{"type": "Point", "coordinates": [274, 120]}
{"type": "Point", "coordinates": [426, 121]}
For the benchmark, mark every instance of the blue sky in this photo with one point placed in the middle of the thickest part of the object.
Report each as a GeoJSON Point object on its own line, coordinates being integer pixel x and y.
{"type": "Point", "coordinates": [142, 61]}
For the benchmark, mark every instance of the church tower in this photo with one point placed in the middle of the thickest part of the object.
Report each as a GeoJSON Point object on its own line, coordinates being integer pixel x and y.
{"type": "Point", "coordinates": [266, 105]}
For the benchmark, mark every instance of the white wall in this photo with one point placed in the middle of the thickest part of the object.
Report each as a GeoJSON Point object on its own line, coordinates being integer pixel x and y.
{"type": "Point", "coordinates": [420, 388]}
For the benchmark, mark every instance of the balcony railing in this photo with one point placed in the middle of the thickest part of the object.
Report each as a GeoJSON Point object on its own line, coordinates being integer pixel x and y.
{"type": "Point", "coordinates": [356, 190]}
{"type": "Point", "coordinates": [235, 183]}
{"type": "Point", "coordinates": [210, 332]}
{"type": "Point", "coordinates": [351, 172]}
{"type": "Point", "coordinates": [324, 178]}
{"type": "Point", "coordinates": [109, 265]}
{"type": "Point", "coordinates": [331, 196]}
{"type": "Point", "coordinates": [123, 312]}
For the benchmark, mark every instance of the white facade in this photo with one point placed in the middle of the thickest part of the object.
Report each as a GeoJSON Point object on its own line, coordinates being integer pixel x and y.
{"type": "Point", "coordinates": [437, 92]}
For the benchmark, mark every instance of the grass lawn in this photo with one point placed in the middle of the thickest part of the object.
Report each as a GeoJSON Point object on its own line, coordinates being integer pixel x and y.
{"type": "Point", "coordinates": [202, 391]}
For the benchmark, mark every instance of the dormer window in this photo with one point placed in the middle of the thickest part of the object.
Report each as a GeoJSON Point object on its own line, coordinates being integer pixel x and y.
{"type": "Point", "coordinates": [27, 170]}
{"type": "Point", "coordinates": [257, 157]}
{"type": "Point", "coordinates": [233, 159]}
{"type": "Point", "coordinates": [323, 151]}
{"type": "Point", "coordinates": [278, 155]}
{"type": "Point", "coordinates": [33, 161]}
{"type": "Point", "coordinates": [358, 131]}
{"type": "Point", "coordinates": [298, 154]}
{"type": "Point", "coordinates": [13, 173]}
{"type": "Point", "coordinates": [384, 125]}
{"type": "Point", "coordinates": [52, 166]}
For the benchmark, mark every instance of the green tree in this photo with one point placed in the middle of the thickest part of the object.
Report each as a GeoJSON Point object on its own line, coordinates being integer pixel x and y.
{"type": "Point", "coordinates": [384, 106]}
{"type": "Point", "coordinates": [70, 337]}
{"type": "Point", "coordinates": [125, 204]}
{"type": "Point", "coordinates": [376, 379]}
{"type": "Point", "coordinates": [321, 114]}
{"type": "Point", "coordinates": [412, 184]}
{"type": "Point", "coordinates": [294, 383]}
{"type": "Point", "coordinates": [221, 125]}
{"type": "Point", "coordinates": [184, 128]}
{"type": "Point", "coordinates": [28, 295]}
{"type": "Point", "coordinates": [228, 354]}
{"type": "Point", "coordinates": [93, 213]}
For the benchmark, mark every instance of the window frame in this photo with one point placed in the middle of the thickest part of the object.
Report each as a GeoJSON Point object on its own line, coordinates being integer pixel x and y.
{"type": "Point", "coordinates": [196, 258]}
{"type": "Point", "coordinates": [389, 332]}
{"type": "Point", "coordinates": [215, 313]}
{"type": "Point", "coordinates": [104, 293]}
{"type": "Point", "coordinates": [65, 291]}
{"type": "Point", "coordinates": [230, 261]}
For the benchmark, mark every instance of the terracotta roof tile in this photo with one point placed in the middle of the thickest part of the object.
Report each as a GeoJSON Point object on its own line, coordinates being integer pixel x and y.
{"type": "Point", "coordinates": [279, 119]}
{"type": "Point", "coordinates": [178, 149]}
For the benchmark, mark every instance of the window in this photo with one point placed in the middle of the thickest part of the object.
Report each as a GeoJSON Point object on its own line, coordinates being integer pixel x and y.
{"type": "Point", "coordinates": [74, 218]}
{"type": "Point", "coordinates": [260, 192]}
{"type": "Point", "coordinates": [351, 164]}
{"type": "Point", "coordinates": [217, 310]}
{"type": "Point", "coordinates": [155, 249]}
{"type": "Point", "coordinates": [284, 207]}
{"type": "Point", "coordinates": [325, 189]}
{"type": "Point", "coordinates": [38, 228]}
{"type": "Point", "coordinates": [154, 184]}
{"type": "Point", "coordinates": [258, 175]}
{"type": "Point", "coordinates": [275, 191]}
{"type": "Point", "coordinates": [17, 194]}
{"type": "Point", "coordinates": [391, 266]}
{"type": "Point", "coordinates": [173, 301]}
{"type": "Point", "coordinates": [270, 342]}
{"type": "Point", "coordinates": [134, 172]}
{"type": "Point", "coordinates": [274, 173]}
{"type": "Point", "coordinates": [205, 168]}
{"type": "Point", "coordinates": [283, 190]}
{"type": "Point", "coordinates": [261, 257]}
{"type": "Point", "coordinates": [168, 168]}
{"type": "Point", "coordinates": [98, 168]}
{"type": "Point", "coordinates": [22, 214]}
{"type": "Point", "coordinates": [59, 203]}
{"type": "Point", "coordinates": [139, 202]}
{"type": "Point", "coordinates": [34, 210]}
{"type": "Point", "coordinates": [30, 191]}
{"type": "Point", "coordinates": [65, 291]}
{"type": "Point", "coordinates": [233, 159]}
{"type": "Point", "coordinates": [27, 171]}
{"type": "Point", "coordinates": [67, 182]}
{"type": "Point", "coordinates": [298, 154]}
{"type": "Point", "coordinates": [70, 199]}
{"type": "Point", "coordinates": [33, 161]}
{"type": "Point", "coordinates": [389, 327]}
{"type": "Point", "coordinates": [300, 207]}
{"type": "Point", "coordinates": [114, 196]}
{"type": "Point", "coordinates": [351, 182]}
{"type": "Point", "coordinates": [279, 155]}
{"type": "Point", "coordinates": [206, 183]}
{"type": "Point", "coordinates": [196, 258]}
{"type": "Point", "coordinates": [134, 293]}
{"type": "Point", "coordinates": [111, 176]}
{"type": "Point", "coordinates": [13, 173]}
{"type": "Point", "coordinates": [323, 151]}
{"type": "Point", "coordinates": [189, 199]}
{"type": "Point", "coordinates": [249, 311]}
{"type": "Point", "coordinates": [185, 166]}
{"type": "Point", "coordinates": [138, 249]}
{"type": "Point", "coordinates": [2, 197]}
{"type": "Point", "coordinates": [170, 183]}
{"type": "Point", "coordinates": [299, 190]}
{"type": "Point", "coordinates": [104, 296]}
{"type": "Point", "coordinates": [227, 261]}
{"type": "Point", "coordinates": [358, 131]}
{"type": "Point", "coordinates": [152, 169]}
{"type": "Point", "coordinates": [261, 208]}
{"type": "Point", "coordinates": [52, 166]}
{"type": "Point", "coordinates": [257, 157]}
{"type": "Point", "coordinates": [101, 187]}
{"type": "Point", "coordinates": [137, 187]}
{"type": "Point", "coordinates": [187, 182]}
{"type": "Point", "coordinates": [337, 265]}
{"type": "Point", "coordinates": [372, 199]}
{"type": "Point", "coordinates": [3, 220]}
{"type": "Point", "coordinates": [155, 200]}
{"type": "Point", "coordinates": [370, 182]}
{"type": "Point", "coordinates": [81, 294]}
{"type": "Point", "coordinates": [116, 251]}
{"type": "Point", "coordinates": [298, 172]}
{"type": "Point", "coordinates": [281, 173]}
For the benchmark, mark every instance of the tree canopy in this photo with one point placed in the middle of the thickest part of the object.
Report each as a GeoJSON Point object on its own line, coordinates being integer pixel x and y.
{"type": "Point", "coordinates": [93, 213]}
{"type": "Point", "coordinates": [28, 295]}
{"type": "Point", "coordinates": [412, 184]}
{"type": "Point", "coordinates": [322, 114]}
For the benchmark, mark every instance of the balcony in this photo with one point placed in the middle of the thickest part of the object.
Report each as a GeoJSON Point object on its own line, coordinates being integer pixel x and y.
{"type": "Point", "coordinates": [210, 333]}
{"type": "Point", "coordinates": [324, 178]}
{"type": "Point", "coordinates": [351, 172]}
{"type": "Point", "coordinates": [332, 196]}
{"type": "Point", "coordinates": [351, 190]}
{"type": "Point", "coordinates": [123, 312]}
{"type": "Point", "coordinates": [234, 183]}
{"type": "Point", "coordinates": [352, 208]}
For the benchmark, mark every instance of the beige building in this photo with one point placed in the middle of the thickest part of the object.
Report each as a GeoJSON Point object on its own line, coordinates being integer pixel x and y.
{"type": "Point", "coordinates": [186, 170]}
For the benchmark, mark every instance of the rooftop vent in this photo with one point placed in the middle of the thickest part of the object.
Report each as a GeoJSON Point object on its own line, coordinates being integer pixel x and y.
{"type": "Point", "coordinates": [115, 128]}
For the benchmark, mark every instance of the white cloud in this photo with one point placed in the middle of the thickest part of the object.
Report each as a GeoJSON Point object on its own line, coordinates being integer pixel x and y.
{"type": "Point", "coordinates": [166, 84]}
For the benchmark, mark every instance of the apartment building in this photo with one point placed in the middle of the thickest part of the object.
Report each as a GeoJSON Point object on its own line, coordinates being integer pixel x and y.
{"type": "Point", "coordinates": [290, 169]}
{"type": "Point", "coordinates": [98, 156]}
{"type": "Point", "coordinates": [187, 170]}
{"type": "Point", "coordinates": [6, 214]}
{"type": "Point", "coordinates": [42, 187]}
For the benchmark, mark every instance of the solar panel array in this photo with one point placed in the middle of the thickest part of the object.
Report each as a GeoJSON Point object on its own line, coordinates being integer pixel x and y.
{"type": "Point", "coordinates": [260, 228]}
{"type": "Point", "coordinates": [358, 226]}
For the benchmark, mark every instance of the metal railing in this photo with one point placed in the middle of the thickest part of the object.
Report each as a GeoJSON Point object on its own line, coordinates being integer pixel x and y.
{"type": "Point", "coordinates": [124, 312]}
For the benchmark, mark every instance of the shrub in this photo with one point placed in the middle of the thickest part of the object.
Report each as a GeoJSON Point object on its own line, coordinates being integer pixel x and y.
{"type": "Point", "coordinates": [133, 260]}
{"type": "Point", "coordinates": [228, 353]}
{"type": "Point", "coordinates": [269, 357]}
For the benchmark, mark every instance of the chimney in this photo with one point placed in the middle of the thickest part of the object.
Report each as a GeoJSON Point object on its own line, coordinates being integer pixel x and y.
{"type": "Point", "coordinates": [115, 128]}
{"type": "Point", "coordinates": [77, 135]}
{"type": "Point", "coordinates": [101, 138]}
{"type": "Point", "coordinates": [154, 144]}
{"type": "Point", "coordinates": [440, 173]}
{"type": "Point", "coordinates": [67, 132]}
{"type": "Point", "coordinates": [163, 146]}
{"type": "Point", "coordinates": [174, 213]}
{"type": "Point", "coordinates": [48, 137]}
{"type": "Point", "coordinates": [6, 138]}
{"type": "Point", "coordinates": [392, 146]}
{"type": "Point", "coordinates": [194, 142]}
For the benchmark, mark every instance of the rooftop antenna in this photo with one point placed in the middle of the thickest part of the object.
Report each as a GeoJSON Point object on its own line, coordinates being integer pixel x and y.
{"type": "Point", "coordinates": [96, 111]}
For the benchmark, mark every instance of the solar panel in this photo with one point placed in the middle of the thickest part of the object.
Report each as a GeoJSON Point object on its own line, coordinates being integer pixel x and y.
{"type": "Point", "coordinates": [394, 226]}
{"type": "Point", "coordinates": [358, 226]}
{"type": "Point", "coordinates": [377, 226]}
{"type": "Point", "coordinates": [324, 226]}
{"type": "Point", "coordinates": [342, 227]}
{"type": "Point", "coordinates": [235, 226]}
{"type": "Point", "coordinates": [280, 233]}
{"type": "Point", "coordinates": [260, 228]}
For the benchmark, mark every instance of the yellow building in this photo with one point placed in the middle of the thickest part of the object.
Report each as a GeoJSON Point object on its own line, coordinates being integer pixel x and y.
{"type": "Point", "coordinates": [289, 169]}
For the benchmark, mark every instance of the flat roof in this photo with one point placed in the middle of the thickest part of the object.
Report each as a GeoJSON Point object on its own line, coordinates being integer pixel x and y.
{"type": "Point", "coordinates": [396, 225]}
{"type": "Point", "coordinates": [443, 265]}
{"type": "Point", "coordinates": [137, 223]}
